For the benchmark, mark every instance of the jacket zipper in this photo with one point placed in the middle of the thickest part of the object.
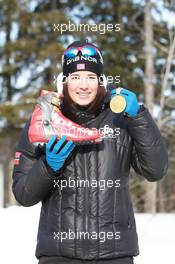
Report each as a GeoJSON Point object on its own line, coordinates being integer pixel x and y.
{"type": "Point", "coordinates": [86, 195]}
{"type": "Point", "coordinates": [60, 213]}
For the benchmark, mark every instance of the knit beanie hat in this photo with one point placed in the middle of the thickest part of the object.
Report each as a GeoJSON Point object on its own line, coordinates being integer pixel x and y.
{"type": "Point", "coordinates": [82, 56]}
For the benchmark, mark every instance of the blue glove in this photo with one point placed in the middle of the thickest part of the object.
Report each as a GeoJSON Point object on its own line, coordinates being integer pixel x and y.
{"type": "Point", "coordinates": [132, 106]}
{"type": "Point", "coordinates": [54, 157]}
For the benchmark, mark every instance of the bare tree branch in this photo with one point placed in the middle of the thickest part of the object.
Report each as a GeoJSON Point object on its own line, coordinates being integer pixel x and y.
{"type": "Point", "coordinates": [161, 47]}
{"type": "Point", "coordinates": [165, 81]}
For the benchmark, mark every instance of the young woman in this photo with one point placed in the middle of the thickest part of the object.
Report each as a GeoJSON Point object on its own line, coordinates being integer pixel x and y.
{"type": "Point", "coordinates": [87, 214]}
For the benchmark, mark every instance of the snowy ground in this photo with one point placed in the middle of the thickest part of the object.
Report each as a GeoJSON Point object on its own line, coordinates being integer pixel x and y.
{"type": "Point", "coordinates": [18, 230]}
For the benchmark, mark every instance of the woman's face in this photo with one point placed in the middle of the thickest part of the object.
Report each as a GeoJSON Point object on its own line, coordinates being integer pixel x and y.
{"type": "Point", "coordinates": [82, 87]}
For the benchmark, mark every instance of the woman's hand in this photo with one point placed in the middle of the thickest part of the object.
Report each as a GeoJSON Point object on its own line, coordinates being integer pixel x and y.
{"type": "Point", "coordinates": [56, 153]}
{"type": "Point", "coordinates": [132, 106]}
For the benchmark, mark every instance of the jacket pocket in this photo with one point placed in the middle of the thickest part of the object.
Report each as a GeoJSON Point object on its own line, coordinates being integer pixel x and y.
{"type": "Point", "coordinates": [123, 210]}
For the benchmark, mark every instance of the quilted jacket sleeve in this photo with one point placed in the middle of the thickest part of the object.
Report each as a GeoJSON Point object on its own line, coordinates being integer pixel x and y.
{"type": "Point", "coordinates": [33, 180]}
{"type": "Point", "coordinates": [149, 154]}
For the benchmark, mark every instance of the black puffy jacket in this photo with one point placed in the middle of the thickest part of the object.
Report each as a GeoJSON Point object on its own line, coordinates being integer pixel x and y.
{"type": "Point", "coordinates": [97, 218]}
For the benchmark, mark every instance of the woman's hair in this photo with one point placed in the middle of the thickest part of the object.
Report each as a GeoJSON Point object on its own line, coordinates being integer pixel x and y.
{"type": "Point", "coordinates": [70, 106]}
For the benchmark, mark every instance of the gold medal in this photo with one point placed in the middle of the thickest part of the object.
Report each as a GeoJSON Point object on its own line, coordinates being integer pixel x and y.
{"type": "Point", "coordinates": [118, 104]}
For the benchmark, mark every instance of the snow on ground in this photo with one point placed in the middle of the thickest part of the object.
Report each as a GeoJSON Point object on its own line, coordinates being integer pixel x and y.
{"type": "Point", "coordinates": [18, 231]}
